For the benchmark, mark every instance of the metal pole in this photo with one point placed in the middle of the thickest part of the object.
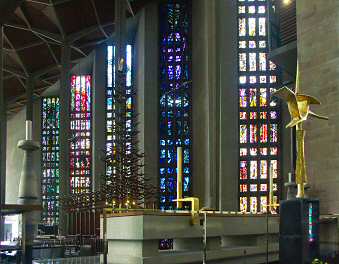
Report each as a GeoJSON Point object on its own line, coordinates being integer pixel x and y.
{"type": "Point", "coordinates": [105, 235]}
{"type": "Point", "coordinates": [3, 134]}
{"type": "Point", "coordinates": [204, 261]}
{"type": "Point", "coordinates": [94, 220]}
{"type": "Point", "coordinates": [179, 177]}
{"type": "Point", "coordinates": [73, 223]}
{"type": "Point", "coordinates": [80, 222]}
{"type": "Point", "coordinates": [293, 152]}
{"type": "Point", "coordinates": [89, 222]}
{"type": "Point", "coordinates": [29, 95]}
{"type": "Point", "coordinates": [84, 220]}
{"type": "Point", "coordinates": [267, 238]}
{"type": "Point", "coordinates": [85, 223]}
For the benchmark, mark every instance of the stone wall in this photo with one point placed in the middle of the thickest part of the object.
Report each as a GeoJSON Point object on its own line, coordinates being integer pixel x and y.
{"type": "Point", "coordinates": [318, 52]}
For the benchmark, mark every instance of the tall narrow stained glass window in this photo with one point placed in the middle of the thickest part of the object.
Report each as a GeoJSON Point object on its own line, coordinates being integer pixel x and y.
{"type": "Point", "coordinates": [50, 129]}
{"type": "Point", "coordinates": [175, 97]}
{"type": "Point", "coordinates": [259, 117]}
{"type": "Point", "coordinates": [80, 141]}
{"type": "Point", "coordinates": [110, 106]}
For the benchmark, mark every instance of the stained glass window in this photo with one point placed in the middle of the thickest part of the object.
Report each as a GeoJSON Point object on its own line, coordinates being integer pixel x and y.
{"type": "Point", "coordinates": [175, 97]}
{"type": "Point", "coordinates": [110, 106]}
{"type": "Point", "coordinates": [259, 118]}
{"type": "Point", "coordinates": [80, 141]}
{"type": "Point", "coordinates": [50, 129]}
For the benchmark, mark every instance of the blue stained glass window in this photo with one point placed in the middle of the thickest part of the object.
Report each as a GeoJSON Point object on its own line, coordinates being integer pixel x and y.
{"type": "Point", "coordinates": [50, 146]}
{"type": "Point", "coordinates": [162, 183]}
{"type": "Point", "coordinates": [171, 185]}
{"type": "Point", "coordinates": [186, 183]}
{"type": "Point", "coordinates": [175, 94]}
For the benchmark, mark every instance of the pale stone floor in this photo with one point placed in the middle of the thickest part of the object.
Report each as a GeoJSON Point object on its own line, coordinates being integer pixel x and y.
{"type": "Point", "coordinates": [74, 260]}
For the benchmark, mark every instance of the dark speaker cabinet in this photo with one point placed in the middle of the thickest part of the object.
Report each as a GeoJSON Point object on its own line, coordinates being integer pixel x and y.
{"type": "Point", "coordinates": [299, 231]}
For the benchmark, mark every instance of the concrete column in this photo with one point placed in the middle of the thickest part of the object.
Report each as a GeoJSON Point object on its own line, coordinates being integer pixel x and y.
{"type": "Point", "coordinates": [99, 112]}
{"type": "Point", "coordinates": [227, 100]}
{"type": "Point", "coordinates": [65, 134]}
{"type": "Point", "coordinates": [3, 134]}
{"type": "Point", "coordinates": [120, 31]}
{"type": "Point", "coordinates": [215, 104]}
{"type": "Point", "coordinates": [29, 188]}
{"type": "Point", "coordinates": [147, 89]}
{"type": "Point", "coordinates": [318, 49]}
{"type": "Point", "coordinates": [204, 104]}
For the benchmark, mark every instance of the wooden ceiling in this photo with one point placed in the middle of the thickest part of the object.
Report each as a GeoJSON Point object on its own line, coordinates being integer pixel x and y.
{"type": "Point", "coordinates": [35, 30]}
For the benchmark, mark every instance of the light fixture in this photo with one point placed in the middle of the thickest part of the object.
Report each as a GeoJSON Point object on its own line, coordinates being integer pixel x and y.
{"type": "Point", "coordinates": [286, 2]}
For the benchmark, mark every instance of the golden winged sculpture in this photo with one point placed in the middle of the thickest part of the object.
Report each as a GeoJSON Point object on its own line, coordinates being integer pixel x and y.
{"type": "Point", "coordinates": [299, 109]}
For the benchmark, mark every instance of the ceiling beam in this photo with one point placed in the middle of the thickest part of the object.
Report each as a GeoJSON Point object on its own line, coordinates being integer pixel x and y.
{"type": "Point", "coordinates": [7, 7]}
{"type": "Point", "coordinates": [46, 70]}
{"type": "Point", "coordinates": [78, 50]}
{"type": "Point", "coordinates": [16, 55]}
{"type": "Point", "coordinates": [51, 68]}
{"type": "Point", "coordinates": [47, 82]}
{"type": "Point", "coordinates": [55, 37]}
{"type": "Point", "coordinates": [14, 72]}
{"type": "Point", "coordinates": [21, 82]}
{"type": "Point", "coordinates": [84, 32]}
{"type": "Point", "coordinates": [93, 43]}
{"type": "Point", "coordinates": [54, 17]}
{"type": "Point", "coordinates": [30, 45]}
{"type": "Point", "coordinates": [59, 2]}
{"type": "Point", "coordinates": [38, 2]}
{"type": "Point", "coordinates": [22, 98]}
{"type": "Point", "coordinates": [52, 36]}
{"type": "Point", "coordinates": [98, 19]}
{"type": "Point", "coordinates": [9, 76]}
{"type": "Point", "coordinates": [130, 8]}
{"type": "Point", "coordinates": [22, 14]}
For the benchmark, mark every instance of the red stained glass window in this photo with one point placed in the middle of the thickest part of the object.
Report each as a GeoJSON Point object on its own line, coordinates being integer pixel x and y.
{"type": "Point", "coordinates": [259, 119]}
{"type": "Point", "coordinates": [81, 128]}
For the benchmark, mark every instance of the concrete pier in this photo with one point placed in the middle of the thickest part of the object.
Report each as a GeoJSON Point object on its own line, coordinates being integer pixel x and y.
{"type": "Point", "coordinates": [29, 193]}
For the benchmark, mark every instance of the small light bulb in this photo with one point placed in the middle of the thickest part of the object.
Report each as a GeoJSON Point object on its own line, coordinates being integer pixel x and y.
{"type": "Point", "coordinates": [286, 2]}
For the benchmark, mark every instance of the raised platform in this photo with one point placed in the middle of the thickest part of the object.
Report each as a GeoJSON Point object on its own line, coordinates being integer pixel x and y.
{"type": "Point", "coordinates": [133, 237]}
